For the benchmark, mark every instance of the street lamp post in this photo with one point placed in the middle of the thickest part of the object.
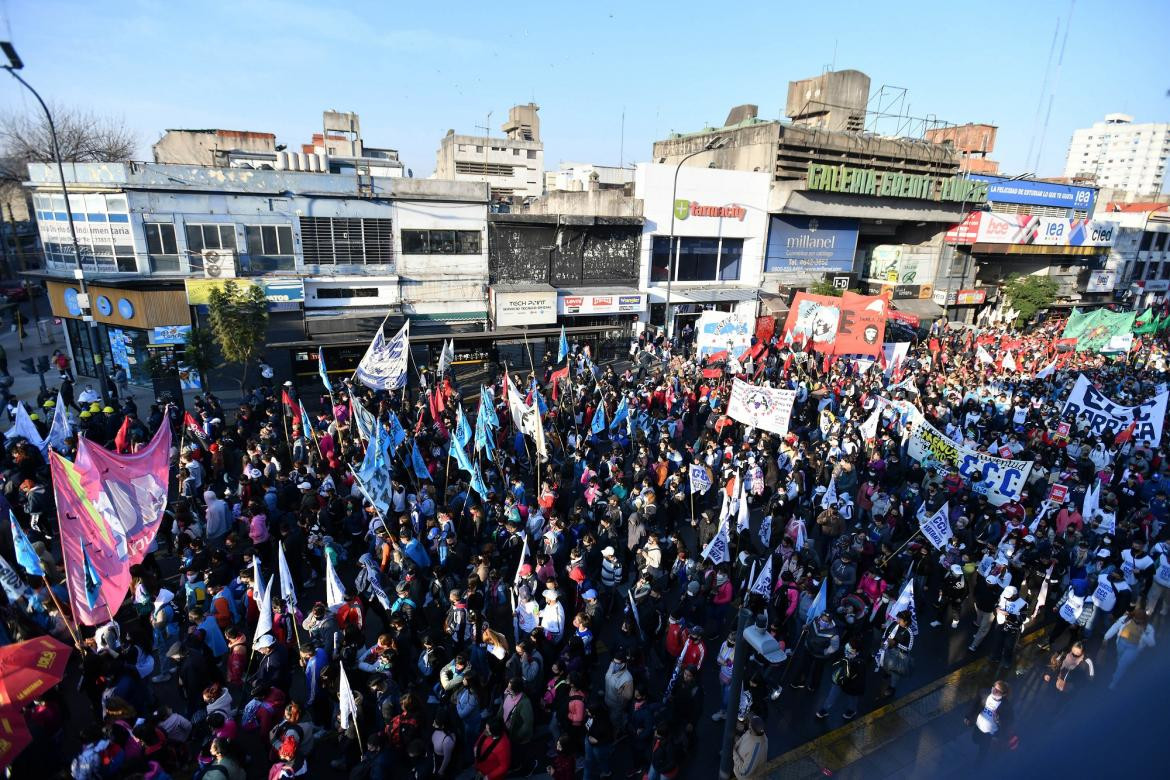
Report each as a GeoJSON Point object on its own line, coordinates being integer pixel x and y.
{"type": "Point", "coordinates": [667, 321]}
{"type": "Point", "coordinates": [15, 64]}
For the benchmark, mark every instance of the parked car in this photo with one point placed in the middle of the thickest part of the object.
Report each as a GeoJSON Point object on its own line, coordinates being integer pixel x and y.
{"type": "Point", "coordinates": [14, 291]}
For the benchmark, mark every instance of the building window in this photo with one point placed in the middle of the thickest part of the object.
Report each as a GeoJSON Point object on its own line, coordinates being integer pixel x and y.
{"type": "Point", "coordinates": [531, 154]}
{"type": "Point", "coordinates": [270, 248]}
{"type": "Point", "coordinates": [216, 237]}
{"type": "Point", "coordinates": [482, 169]}
{"type": "Point", "coordinates": [347, 292]}
{"type": "Point", "coordinates": [697, 259]}
{"type": "Point", "coordinates": [161, 247]}
{"type": "Point", "coordinates": [342, 241]}
{"type": "Point", "coordinates": [1147, 239]}
{"type": "Point", "coordinates": [440, 242]}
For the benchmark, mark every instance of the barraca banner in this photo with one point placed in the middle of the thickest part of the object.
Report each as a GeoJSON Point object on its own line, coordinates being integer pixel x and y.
{"type": "Point", "coordinates": [1000, 479]}
{"type": "Point", "coordinates": [1105, 416]}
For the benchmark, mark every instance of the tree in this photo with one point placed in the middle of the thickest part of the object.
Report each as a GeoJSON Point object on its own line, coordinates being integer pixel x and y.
{"type": "Point", "coordinates": [825, 287]}
{"type": "Point", "coordinates": [81, 135]}
{"type": "Point", "coordinates": [1028, 294]}
{"type": "Point", "coordinates": [199, 351]}
{"type": "Point", "coordinates": [239, 323]}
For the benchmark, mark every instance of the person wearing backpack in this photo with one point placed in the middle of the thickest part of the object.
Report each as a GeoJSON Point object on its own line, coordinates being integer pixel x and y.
{"type": "Point", "coordinates": [225, 765]}
{"type": "Point", "coordinates": [848, 675]}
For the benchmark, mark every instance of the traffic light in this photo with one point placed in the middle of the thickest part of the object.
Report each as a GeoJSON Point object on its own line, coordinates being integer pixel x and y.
{"type": "Point", "coordinates": [27, 365]}
{"type": "Point", "coordinates": [43, 364]}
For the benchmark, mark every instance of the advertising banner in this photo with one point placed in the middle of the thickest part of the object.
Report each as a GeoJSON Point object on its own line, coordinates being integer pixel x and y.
{"type": "Point", "coordinates": [1037, 193]}
{"type": "Point", "coordinates": [850, 325]}
{"type": "Point", "coordinates": [720, 331]}
{"type": "Point", "coordinates": [1105, 416]}
{"type": "Point", "coordinates": [811, 244]}
{"type": "Point", "coordinates": [761, 407]}
{"type": "Point", "coordinates": [601, 304]}
{"type": "Point", "coordinates": [892, 264]}
{"type": "Point", "coordinates": [1101, 281]}
{"type": "Point", "coordinates": [1043, 231]}
{"type": "Point", "coordinates": [531, 307]}
{"type": "Point", "coordinates": [275, 290]}
{"type": "Point", "coordinates": [1000, 479]}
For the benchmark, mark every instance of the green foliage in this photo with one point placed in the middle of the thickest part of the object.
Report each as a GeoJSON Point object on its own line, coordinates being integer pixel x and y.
{"type": "Point", "coordinates": [1029, 294]}
{"type": "Point", "coordinates": [825, 287]}
{"type": "Point", "coordinates": [199, 351]}
{"type": "Point", "coordinates": [239, 323]}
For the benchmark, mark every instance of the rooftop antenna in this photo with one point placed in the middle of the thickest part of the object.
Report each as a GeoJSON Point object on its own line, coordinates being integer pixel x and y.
{"type": "Point", "coordinates": [486, 127]}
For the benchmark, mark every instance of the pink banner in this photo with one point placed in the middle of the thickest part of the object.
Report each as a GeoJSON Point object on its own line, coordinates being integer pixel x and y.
{"type": "Point", "coordinates": [83, 528]}
{"type": "Point", "coordinates": [129, 491]}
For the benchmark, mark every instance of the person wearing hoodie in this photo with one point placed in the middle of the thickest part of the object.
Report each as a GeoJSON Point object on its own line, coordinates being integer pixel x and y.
{"type": "Point", "coordinates": [751, 750]}
{"type": "Point", "coordinates": [166, 631]}
{"type": "Point", "coordinates": [848, 676]}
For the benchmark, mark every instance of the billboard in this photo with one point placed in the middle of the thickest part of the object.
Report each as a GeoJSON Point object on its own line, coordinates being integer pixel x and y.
{"type": "Point", "coordinates": [1101, 281]}
{"type": "Point", "coordinates": [530, 307]}
{"type": "Point", "coordinates": [895, 264]}
{"type": "Point", "coordinates": [1037, 193]}
{"type": "Point", "coordinates": [811, 244]}
{"type": "Point", "coordinates": [986, 227]}
{"type": "Point", "coordinates": [970, 297]}
{"type": "Point", "coordinates": [601, 304]}
{"type": "Point", "coordinates": [277, 291]}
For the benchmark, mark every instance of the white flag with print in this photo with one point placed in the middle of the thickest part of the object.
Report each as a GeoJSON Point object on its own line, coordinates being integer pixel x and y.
{"type": "Point", "coordinates": [763, 583]}
{"type": "Point", "coordinates": [334, 590]}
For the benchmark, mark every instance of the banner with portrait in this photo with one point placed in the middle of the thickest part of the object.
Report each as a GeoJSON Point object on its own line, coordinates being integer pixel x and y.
{"type": "Point", "coordinates": [761, 407]}
{"type": "Point", "coordinates": [850, 325]}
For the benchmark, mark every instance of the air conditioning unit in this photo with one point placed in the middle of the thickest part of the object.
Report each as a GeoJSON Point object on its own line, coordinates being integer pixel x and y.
{"type": "Point", "coordinates": [218, 263]}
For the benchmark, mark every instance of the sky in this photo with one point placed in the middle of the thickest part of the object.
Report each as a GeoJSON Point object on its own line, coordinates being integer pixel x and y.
{"type": "Point", "coordinates": [414, 70]}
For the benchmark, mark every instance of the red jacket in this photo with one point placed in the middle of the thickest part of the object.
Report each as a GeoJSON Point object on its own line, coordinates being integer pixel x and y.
{"type": "Point", "coordinates": [493, 757]}
{"type": "Point", "coordinates": [676, 636]}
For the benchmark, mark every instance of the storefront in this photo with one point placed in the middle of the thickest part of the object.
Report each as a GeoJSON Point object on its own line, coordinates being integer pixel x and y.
{"type": "Point", "coordinates": [703, 241]}
{"type": "Point", "coordinates": [131, 322]}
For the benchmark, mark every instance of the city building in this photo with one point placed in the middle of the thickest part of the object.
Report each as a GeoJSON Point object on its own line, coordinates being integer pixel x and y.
{"type": "Point", "coordinates": [862, 210]}
{"type": "Point", "coordinates": [1137, 268]}
{"type": "Point", "coordinates": [335, 254]}
{"type": "Point", "coordinates": [973, 142]}
{"type": "Point", "coordinates": [576, 177]}
{"type": "Point", "coordinates": [1119, 154]}
{"type": "Point", "coordinates": [569, 259]}
{"type": "Point", "coordinates": [210, 147]}
{"type": "Point", "coordinates": [512, 165]}
{"type": "Point", "coordinates": [834, 101]}
{"type": "Point", "coordinates": [1028, 227]}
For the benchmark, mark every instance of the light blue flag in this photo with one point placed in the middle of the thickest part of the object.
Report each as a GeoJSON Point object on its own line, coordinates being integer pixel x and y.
{"type": "Point", "coordinates": [374, 472]}
{"type": "Point", "coordinates": [621, 413]}
{"type": "Point", "coordinates": [487, 409]}
{"type": "Point", "coordinates": [460, 455]}
{"type": "Point", "coordinates": [26, 556]}
{"type": "Point", "coordinates": [93, 583]}
{"type": "Point", "coordinates": [598, 424]}
{"type": "Point", "coordinates": [321, 370]}
{"type": "Point", "coordinates": [477, 483]}
{"type": "Point", "coordinates": [418, 464]}
{"type": "Point", "coordinates": [540, 404]}
{"type": "Point", "coordinates": [819, 604]}
{"type": "Point", "coordinates": [462, 427]}
{"type": "Point", "coordinates": [563, 351]}
{"type": "Point", "coordinates": [364, 421]}
{"type": "Point", "coordinates": [397, 433]}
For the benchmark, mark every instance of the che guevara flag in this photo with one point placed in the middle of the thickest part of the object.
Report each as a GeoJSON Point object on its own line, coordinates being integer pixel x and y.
{"type": "Point", "coordinates": [850, 325]}
{"type": "Point", "coordinates": [88, 543]}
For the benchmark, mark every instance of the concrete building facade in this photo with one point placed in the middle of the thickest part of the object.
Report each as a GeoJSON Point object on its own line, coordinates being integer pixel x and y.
{"type": "Point", "coordinates": [513, 165]}
{"type": "Point", "coordinates": [1120, 154]}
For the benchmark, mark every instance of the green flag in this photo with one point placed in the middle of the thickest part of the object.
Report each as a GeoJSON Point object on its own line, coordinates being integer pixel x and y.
{"type": "Point", "coordinates": [1105, 326]}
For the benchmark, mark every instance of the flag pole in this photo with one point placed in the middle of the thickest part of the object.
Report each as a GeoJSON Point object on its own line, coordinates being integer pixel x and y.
{"type": "Point", "coordinates": [61, 611]}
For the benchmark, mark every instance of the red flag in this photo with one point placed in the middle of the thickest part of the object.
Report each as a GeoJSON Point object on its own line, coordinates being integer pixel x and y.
{"type": "Point", "coordinates": [122, 438]}
{"type": "Point", "coordinates": [712, 373]}
{"type": "Point", "coordinates": [1126, 435]}
{"type": "Point", "coordinates": [825, 364]}
{"type": "Point", "coordinates": [286, 400]}
{"type": "Point", "coordinates": [556, 378]}
{"type": "Point", "coordinates": [934, 346]}
{"type": "Point", "coordinates": [787, 363]}
{"type": "Point", "coordinates": [194, 428]}
{"type": "Point", "coordinates": [715, 357]}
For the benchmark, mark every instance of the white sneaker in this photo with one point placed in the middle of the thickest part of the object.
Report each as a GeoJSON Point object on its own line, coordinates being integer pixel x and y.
{"type": "Point", "coordinates": [954, 624]}
{"type": "Point", "coordinates": [935, 624]}
{"type": "Point", "coordinates": [776, 692]}
{"type": "Point", "coordinates": [718, 716]}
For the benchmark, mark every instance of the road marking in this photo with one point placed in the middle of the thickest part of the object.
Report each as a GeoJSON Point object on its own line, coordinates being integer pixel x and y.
{"type": "Point", "coordinates": [832, 752]}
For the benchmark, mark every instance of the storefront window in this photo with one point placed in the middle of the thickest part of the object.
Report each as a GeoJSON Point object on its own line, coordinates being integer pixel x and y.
{"type": "Point", "coordinates": [660, 259]}
{"type": "Point", "coordinates": [730, 255]}
{"type": "Point", "coordinates": [699, 259]}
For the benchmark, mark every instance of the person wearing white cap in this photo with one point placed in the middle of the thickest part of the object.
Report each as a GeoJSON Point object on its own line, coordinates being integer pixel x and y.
{"type": "Point", "coordinates": [951, 596]}
{"type": "Point", "coordinates": [552, 617]}
{"type": "Point", "coordinates": [612, 575]}
{"type": "Point", "coordinates": [1009, 616]}
{"type": "Point", "coordinates": [166, 631]}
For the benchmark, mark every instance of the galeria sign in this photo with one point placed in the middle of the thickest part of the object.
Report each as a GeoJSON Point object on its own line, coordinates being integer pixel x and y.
{"type": "Point", "coordinates": [1105, 416]}
{"type": "Point", "coordinates": [864, 181]}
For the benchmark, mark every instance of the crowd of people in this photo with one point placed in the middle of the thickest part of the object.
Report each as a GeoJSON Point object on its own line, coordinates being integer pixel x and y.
{"type": "Point", "coordinates": [570, 614]}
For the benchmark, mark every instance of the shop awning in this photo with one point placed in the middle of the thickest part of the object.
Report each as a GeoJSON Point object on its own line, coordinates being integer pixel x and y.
{"type": "Point", "coordinates": [720, 294]}
{"type": "Point", "coordinates": [621, 290]}
{"type": "Point", "coordinates": [920, 308]}
{"type": "Point", "coordinates": [773, 304]}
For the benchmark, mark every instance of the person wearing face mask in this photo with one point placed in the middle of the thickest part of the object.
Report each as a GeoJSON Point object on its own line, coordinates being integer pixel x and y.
{"type": "Point", "coordinates": [991, 716]}
{"type": "Point", "coordinates": [821, 641]}
{"type": "Point", "coordinates": [1010, 613]}
{"type": "Point", "coordinates": [848, 676]}
{"type": "Point", "coordinates": [619, 690]}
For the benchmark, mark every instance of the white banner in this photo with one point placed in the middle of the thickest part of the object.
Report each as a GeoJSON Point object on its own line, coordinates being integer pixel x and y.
{"type": "Point", "coordinates": [937, 527]}
{"type": "Point", "coordinates": [699, 477]}
{"type": "Point", "coordinates": [761, 407]}
{"type": "Point", "coordinates": [1106, 416]}
{"type": "Point", "coordinates": [383, 367]}
{"type": "Point", "coordinates": [1000, 479]}
{"type": "Point", "coordinates": [719, 330]}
